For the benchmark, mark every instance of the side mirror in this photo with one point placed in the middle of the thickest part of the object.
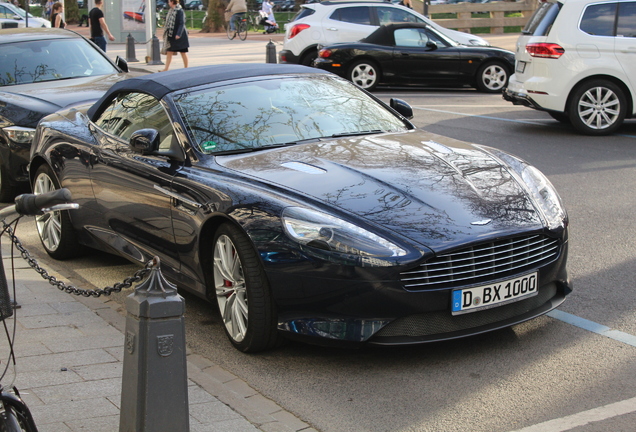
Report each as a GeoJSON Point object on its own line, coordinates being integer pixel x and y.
{"type": "Point", "coordinates": [145, 141]}
{"type": "Point", "coordinates": [121, 64]}
{"type": "Point", "coordinates": [402, 107]}
{"type": "Point", "coordinates": [431, 45]}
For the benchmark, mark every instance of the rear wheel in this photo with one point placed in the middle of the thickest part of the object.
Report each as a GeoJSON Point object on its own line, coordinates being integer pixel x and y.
{"type": "Point", "coordinates": [242, 292]}
{"type": "Point", "coordinates": [597, 107]}
{"type": "Point", "coordinates": [55, 229]}
{"type": "Point", "coordinates": [231, 34]}
{"type": "Point", "coordinates": [365, 74]}
{"type": "Point", "coordinates": [308, 59]}
{"type": "Point", "coordinates": [492, 78]}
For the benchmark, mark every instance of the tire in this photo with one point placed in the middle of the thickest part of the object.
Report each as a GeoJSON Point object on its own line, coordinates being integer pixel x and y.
{"type": "Point", "coordinates": [492, 78]}
{"type": "Point", "coordinates": [230, 33]}
{"type": "Point", "coordinates": [308, 59]}
{"type": "Point", "coordinates": [55, 229]}
{"type": "Point", "coordinates": [365, 74]}
{"type": "Point", "coordinates": [9, 420]}
{"type": "Point", "coordinates": [242, 292]}
{"type": "Point", "coordinates": [7, 190]}
{"type": "Point", "coordinates": [597, 107]}
{"type": "Point", "coordinates": [242, 29]}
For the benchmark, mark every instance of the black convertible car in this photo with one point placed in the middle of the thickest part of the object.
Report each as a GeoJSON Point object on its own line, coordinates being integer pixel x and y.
{"type": "Point", "coordinates": [416, 54]}
{"type": "Point", "coordinates": [304, 207]}
{"type": "Point", "coordinates": [41, 71]}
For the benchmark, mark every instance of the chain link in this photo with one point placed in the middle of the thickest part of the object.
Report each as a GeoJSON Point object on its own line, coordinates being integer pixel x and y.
{"type": "Point", "coordinates": [127, 283]}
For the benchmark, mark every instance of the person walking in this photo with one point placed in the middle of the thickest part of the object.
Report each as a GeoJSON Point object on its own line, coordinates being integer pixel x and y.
{"type": "Point", "coordinates": [175, 35]}
{"type": "Point", "coordinates": [56, 16]}
{"type": "Point", "coordinates": [98, 26]}
{"type": "Point", "coordinates": [269, 20]}
{"type": "Point", "coordinates": [237, 8]}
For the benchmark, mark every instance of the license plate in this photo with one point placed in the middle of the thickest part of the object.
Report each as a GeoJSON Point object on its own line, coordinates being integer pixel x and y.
{"type": "Point", "coordinates": [492, 295]}
{"type": "Point", "coordinates": [521, 66]}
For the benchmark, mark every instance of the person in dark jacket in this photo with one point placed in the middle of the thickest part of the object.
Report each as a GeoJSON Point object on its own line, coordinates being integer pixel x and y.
{"type": "Point", "coordinates": [175, 36]}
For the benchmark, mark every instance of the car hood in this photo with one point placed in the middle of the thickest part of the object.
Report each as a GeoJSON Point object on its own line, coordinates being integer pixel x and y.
{"type": "Point", "coordinates": [26, 104]}
{"type": "Point", "coordinates": [432, 189]}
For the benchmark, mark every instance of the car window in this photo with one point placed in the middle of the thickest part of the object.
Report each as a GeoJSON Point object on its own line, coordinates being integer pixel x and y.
{"type": "Point", "coordinates": [410, 37]}
{"type": "Point", "coordinates": [269, 112]}
{"type": "Point", "coordinates": [354, 15]}
{"type": "Point", "coordinates": [542, 19]}
{"type": "Point", "coordinates": [389, 15]}
{"type": "Point", "coordinates": [50, 60]}
{"type": "Point", "coordinates": [626, 20]}
{"type": "Point", "coordinates": [598, 20]}
{"type": "Point", "coordinates": [131, 112]}
{"type": "Point", "coordinates": [302, 13]}
{"type": "Point", "coordinates": [6, 13]}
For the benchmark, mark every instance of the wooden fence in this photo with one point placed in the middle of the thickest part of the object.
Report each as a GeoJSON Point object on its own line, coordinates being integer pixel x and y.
{"type": "Point", "coordinates": [495, 19]}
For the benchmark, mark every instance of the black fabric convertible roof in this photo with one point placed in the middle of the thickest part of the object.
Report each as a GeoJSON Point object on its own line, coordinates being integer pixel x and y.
{"type": "Point", "coordinates": [160, 84]}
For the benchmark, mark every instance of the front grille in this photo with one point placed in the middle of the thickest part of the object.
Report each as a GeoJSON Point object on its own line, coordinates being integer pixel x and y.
{"type": "Point", "coordinates": [481, 263]}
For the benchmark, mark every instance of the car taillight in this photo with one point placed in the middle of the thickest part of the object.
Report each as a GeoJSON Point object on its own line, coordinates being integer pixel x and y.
{"type": "Point", "coordinates": [324, 53]}
{"type": "Point", "coordinates": [297, 29]}
{"type": "Point", "coordinates": [545, 50]}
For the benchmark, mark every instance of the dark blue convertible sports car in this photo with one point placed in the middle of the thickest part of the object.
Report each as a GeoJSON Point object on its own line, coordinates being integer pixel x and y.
{"type": "Point", "coordinates": [304, 207]}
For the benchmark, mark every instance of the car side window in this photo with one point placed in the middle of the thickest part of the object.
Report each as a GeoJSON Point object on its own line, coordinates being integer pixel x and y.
{"type": "Point", "coordinates": [131, 112]}
{"type": "Point", "coordinates": [355, 15]}
{"type": "Point", "coordinates": [598, 20]}
{"type": "Point", "coordinates": [389, 15]}
{"type": "Point", "coordinates": [626, 20]}
{"type": "Point", "coordinates": [410, 37]}
{"type": "Point", "coordinates": [5, 13]}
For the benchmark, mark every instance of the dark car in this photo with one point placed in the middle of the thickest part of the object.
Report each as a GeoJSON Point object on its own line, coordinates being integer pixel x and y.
{"type": "Point", "coordinates": [416, 54]}
{"type": "Point", "coordinates": [194, 5]}
{"type": "Point", "coordinates": [304, 207]}
{"type": "Point", "coordinates": [41, 71]}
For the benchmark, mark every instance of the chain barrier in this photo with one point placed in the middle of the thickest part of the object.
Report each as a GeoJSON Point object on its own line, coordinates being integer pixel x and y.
{"type": "Point", "coordinates": [127, 283]}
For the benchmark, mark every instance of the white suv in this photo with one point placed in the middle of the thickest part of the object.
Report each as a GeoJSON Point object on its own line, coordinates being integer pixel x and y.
{"type": "Point", "coordinates": [11, 12]}
{"type": "Point", "coordinates": [576, 60]}
{"type": "Point", "coordinates": [332, 22]}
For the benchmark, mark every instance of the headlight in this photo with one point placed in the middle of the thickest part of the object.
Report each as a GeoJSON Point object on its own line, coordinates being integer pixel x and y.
{"type": "Point", "coordinates": [543, 194]}
{"type": "Point", "coordinates": [320, 230]}
{"type": "Point", "coordinates": [19, 134]}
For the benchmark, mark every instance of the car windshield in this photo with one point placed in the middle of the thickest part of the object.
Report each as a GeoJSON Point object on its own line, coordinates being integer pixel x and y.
{"type": "Point", "coordinates": [50, 60]}
{"type": "Point", "coordinates": [272, 112]}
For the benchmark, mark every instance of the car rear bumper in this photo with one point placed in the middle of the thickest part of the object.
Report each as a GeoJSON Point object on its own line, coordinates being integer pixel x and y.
{"type": "Point", "coordinates": [518, 98]}
{"type": "Point", "coordinates": [286, 56]}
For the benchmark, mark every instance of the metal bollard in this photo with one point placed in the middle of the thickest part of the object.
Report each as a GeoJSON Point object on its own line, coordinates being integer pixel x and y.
{"type": "Point", "coordinates": [270, 52]}
{"type": "Point", "coordinates": [155, 59]}
{"type": "Point", "coordinates": [130, 49]}
{"type": "Point", "coordinates": [154, 393]}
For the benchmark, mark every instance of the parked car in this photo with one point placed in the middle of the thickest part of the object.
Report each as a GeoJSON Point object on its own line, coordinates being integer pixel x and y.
{"type": "Point", "coordinates": [194, 5]}
{"type": "Point", "coordinates": [576, 61]}
{"type": "Point", "coordinates": [41, 71]}
{"type": "Point", "coordinates": [10, 11]}
{"type": "Point", "coordinates": [416, 54]}
{"type": "Point", "coordinates": [304, 207]}
{"type": "Point", "coordinates": [333, 22]}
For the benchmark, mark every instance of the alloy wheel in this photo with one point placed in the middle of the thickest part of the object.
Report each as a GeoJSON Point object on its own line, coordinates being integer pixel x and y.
{"type": "Point", "coordinates": [494, 77]}
{"type": "Point", "coordinates": [599, 108]}
{"type": "Point", "coordinates": [364, 75]}
{"type": "Point", "coordinates": [49, 225]}
{"type": "Point", "coordinates": [230, 286]}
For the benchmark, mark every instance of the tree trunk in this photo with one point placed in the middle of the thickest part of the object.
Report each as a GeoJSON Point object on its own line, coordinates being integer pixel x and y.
{"type": "Point", "coordinates": [214, 17]}
{"type": "Point", "coordinates": [71, 12]}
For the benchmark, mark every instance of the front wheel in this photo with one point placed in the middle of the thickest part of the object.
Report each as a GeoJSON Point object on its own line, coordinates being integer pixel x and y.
{"type": "Point", "coordinates": [364, 74]}
{"type": "Point", "coordinates": [243, 292]}
{"type": "Point", "coordinates": [492, 78]}
{"type": "Point", "coordinates": [55, 229]}
{"type": "Point", "coordinates": [597, 107]}
{"type": "Point", "coordinates": [231, 34]}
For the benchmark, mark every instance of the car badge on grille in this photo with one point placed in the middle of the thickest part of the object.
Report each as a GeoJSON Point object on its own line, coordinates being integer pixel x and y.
{"type": "Point", "coordinates": [482, 222]}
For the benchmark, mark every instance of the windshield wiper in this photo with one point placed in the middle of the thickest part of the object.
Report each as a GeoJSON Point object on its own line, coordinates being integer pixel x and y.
{"type": "Point", "coordinates": [359, 133]}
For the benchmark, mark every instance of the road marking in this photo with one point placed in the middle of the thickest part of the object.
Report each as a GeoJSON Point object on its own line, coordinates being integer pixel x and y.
{"type": "Point", "coordinates": [537, 122]}
{"type": "Point", "coordinates": [593, 327]}
{"type": "Point", "coordinates": [585, 417]}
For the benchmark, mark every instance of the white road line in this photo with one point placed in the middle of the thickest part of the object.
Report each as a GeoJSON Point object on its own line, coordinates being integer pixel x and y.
{"type": "Point", "coordinates": [585, 417]}
{"type": "Point", "coordinates": [593, 327]}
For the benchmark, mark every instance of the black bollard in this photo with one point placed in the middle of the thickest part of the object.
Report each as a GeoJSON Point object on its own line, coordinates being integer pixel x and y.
{"type": "Point", "coordinates": [130, 49]}
{"type": "Point", "coordinates": [270, 52]}
{"type": "Point", "coordinates": [156, 52]}
{"type": "Point", "coordinates": [154, 393]}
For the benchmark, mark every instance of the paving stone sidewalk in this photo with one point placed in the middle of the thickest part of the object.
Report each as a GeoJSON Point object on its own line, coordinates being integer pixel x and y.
{"type": "Point", "coordinates": [69, 353]}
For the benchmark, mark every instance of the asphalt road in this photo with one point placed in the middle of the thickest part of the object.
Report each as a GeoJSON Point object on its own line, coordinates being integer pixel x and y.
{"type": "Point", "coordinates": [546, 370]}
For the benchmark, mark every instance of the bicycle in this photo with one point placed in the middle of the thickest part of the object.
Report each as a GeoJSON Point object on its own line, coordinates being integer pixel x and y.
{"type": "Point", "coordinates": [15, 416]}
{"type": "Point", "coordinates": [241, 27]}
